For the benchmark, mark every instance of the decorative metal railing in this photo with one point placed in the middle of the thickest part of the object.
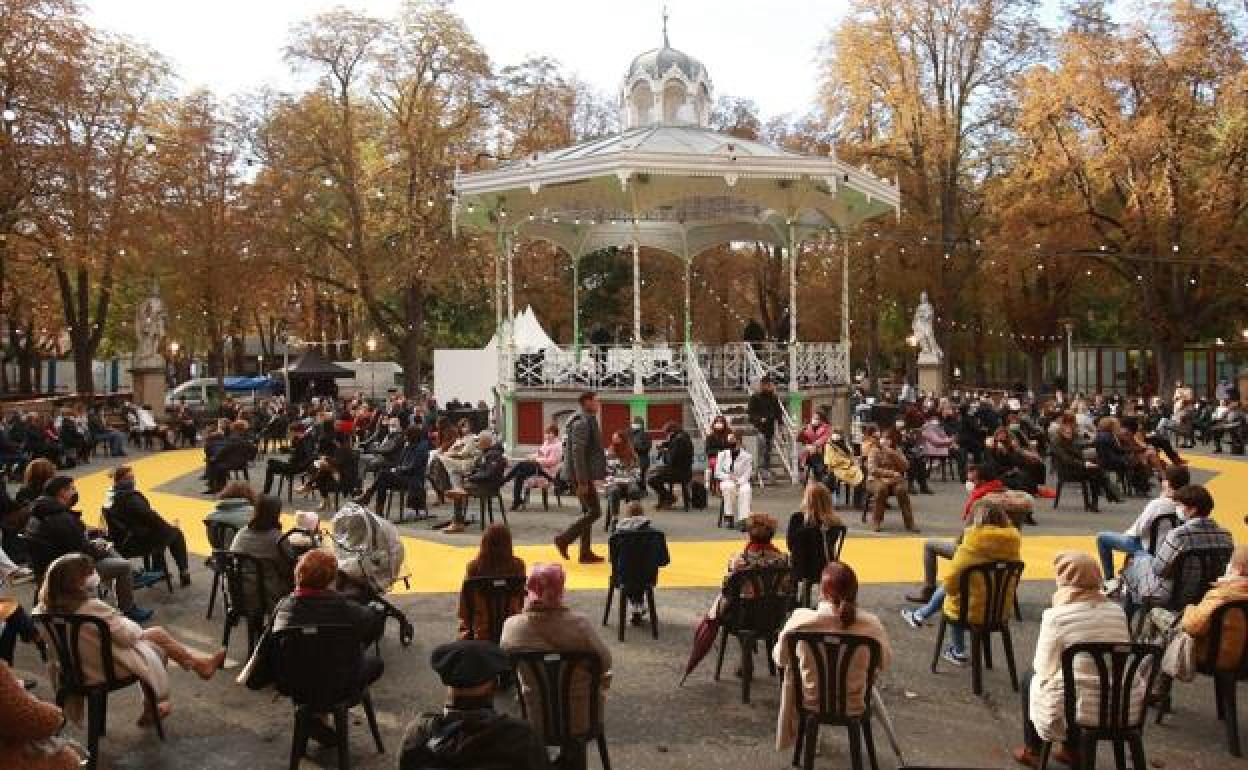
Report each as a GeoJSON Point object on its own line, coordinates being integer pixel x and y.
{"type": "Point", "coordinates": [705, 407]}
{"type": "Point", "coordinates": [665, 368]}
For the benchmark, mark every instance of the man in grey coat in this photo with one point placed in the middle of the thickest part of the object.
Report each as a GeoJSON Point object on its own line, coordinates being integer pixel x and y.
{"type": "Point", "coordinates": [584, 462]}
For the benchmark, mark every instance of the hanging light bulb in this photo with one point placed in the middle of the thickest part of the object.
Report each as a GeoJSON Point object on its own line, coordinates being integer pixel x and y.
{"type": "Point", "coordinates": [150, 144]}
{"type": "Point", "coordinates": [328, 182]}
{"type": "Point", "coordinates": [9, 114]}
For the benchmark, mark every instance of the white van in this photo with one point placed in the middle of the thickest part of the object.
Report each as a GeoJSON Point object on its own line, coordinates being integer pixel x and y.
{"type": "Point", "coordinates": [373, 379]}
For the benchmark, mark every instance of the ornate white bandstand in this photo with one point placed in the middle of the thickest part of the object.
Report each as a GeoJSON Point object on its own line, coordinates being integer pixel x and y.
{"type": "Point", "coordinates": [670, 183]}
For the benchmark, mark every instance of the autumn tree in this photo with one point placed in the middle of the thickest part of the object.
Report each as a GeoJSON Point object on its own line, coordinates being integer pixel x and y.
{"type": "Point", "coordinates": [1139, 138]}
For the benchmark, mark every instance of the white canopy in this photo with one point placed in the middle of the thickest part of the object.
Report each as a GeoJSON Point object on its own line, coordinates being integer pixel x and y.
{"type": "Point", "coordinates": [530, 336]}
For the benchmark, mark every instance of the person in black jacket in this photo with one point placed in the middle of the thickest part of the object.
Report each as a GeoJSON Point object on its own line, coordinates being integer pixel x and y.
{"type": "Point", "coordinates": [55, 530]}
{"type": "Point", "coordinates": [408, 473]}
{"type": "Point", "coordinates": [302, 454]}
{"type": "Point", "coordinates": [764, 412]}
{"type": "Point", "coordinates": [314, 603]}
{"type": "Point", "coordinates": [641, 445]}
{"type": "Point", "coordinates": [675, 465]}
{"type": "Point", "coordinates": [233, 453]}
{"type": "Point", "coordinates": [468, 732]}
{"type": "Point", "coordinates": [143, 530]}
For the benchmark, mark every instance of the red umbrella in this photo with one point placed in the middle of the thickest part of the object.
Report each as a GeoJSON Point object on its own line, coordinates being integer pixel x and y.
{"type": "Point", "coordinates": [703, 639]}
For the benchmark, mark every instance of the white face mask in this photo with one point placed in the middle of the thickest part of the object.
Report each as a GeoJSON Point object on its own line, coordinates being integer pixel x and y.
{"type": "Point", "coordinates": [1184, 514]}
{"type": "Point", "coordinates": [970, 485]}
{"type": "Point", "coordinates": [92, 584]}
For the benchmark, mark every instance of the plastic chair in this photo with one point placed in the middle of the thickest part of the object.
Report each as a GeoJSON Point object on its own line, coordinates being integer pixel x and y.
{"type": "Point", "coordinates": [64, 631]}
{"type": "Point", "coordinates": [1158, 528]}
{"type": "Point", "coordinates": [833, 655]}
{"type": "Point", "coordinates": [252, 608]}
{"type": "Point", "coordinates": [549, 679]}
{"type": "Point", "coordinates": [220, 536]}
{"type": "Point", "coordinates": [811, 548]}
{"type": "Point", "coordinates": [493, 596]}
{"type": "Point", "coordinates": [999, 583]}
{"type": "Point", "coordinates": [311, 661]}
{"type": "Point", "coordinates": [486, 496]}
{"type": "Point", "coordinates": [1119, 671]}
{"type": "Point", "coordinates": [1225, 680]}
{"type": "Point", "coordinates": [117, 533]}
{"type": "Point", "coordinates": [621, 548]}
{"type": "Point", "coordinates": [1062, 478]}
{"type": "Point", "coordinates": [757, 601]}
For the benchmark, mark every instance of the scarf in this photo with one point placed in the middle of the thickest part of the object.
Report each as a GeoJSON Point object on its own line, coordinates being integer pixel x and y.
{"type": "Point", "coordinates": [1078, 579]}
{"type": "Point", "coordinates": [981, 490]}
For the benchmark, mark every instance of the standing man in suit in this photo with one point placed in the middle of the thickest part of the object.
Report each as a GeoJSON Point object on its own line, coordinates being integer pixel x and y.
{"type": "Point", "coordinates": [585, 463]}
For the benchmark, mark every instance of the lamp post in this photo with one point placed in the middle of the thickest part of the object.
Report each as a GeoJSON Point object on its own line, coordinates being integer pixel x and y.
{"type": "Point", "coordinates": [371, 344]}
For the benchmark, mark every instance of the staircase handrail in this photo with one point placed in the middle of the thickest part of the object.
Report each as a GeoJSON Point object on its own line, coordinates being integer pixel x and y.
{"type": "Point", "coordinates": [786, 433]}
{"type": "Point", "coordinates": [705, 407]}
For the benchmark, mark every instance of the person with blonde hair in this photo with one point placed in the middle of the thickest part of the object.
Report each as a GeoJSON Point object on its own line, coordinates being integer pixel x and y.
{"type": "Point", "coordinates": [992, 537]}
{"type": "Point", "coordinates": [70, 587]}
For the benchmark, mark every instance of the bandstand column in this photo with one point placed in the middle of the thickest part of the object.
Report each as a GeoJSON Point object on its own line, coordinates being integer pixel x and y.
{"type": "Point", "coordinates": [795, 395]}
{"type": "Point", "coordinates": [576, 307]}
{"type": "Point", "coordinates": [509, 410]}
{"type": "Point", "coordinates": [688, 316]}
{"type": "Point", "coordinates": [637, 386]}
{"type": "Point", "coordinates": [840, 401]}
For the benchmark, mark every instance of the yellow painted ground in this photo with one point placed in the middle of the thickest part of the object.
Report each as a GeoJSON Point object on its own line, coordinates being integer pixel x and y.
{"type": "Point", "coordinates": [439, 568]}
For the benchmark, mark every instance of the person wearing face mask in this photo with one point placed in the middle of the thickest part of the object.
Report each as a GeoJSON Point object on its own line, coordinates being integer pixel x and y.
{"type": "Point", "coordinates": [733, 469]}
{"type": "Point", "coordinates": [1151, 577]}
{"type": "Point", "coordinates": [70, 587]}
{"type": "Point", "coordinates": [641, 445]}
{"type": "Point", "coordinates": [813, 438]}
{"type": "Point", "coordinates": [57, 529]}
{"type": "Point", "coordinates": [715, 442]}
{"type": "Point", "coordinates": [839, 463]}
{"type": "Point", "coordinates": [1135, 538]}
{"type": "Point", "coordinates": [886, 468]}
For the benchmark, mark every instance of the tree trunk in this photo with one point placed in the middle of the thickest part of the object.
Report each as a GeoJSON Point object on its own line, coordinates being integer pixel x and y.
{"type": "Point", "coordinates": [1035, 370]}
{"type": "Point", "coordinates": [413, 338]}
{"type": "Point", "coordinates": [84, 377]}
{"type": "Point", "coordinates": [1169, 368]}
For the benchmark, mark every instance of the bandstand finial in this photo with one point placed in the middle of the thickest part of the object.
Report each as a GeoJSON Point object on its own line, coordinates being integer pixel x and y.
{"type": "Point", "coordinates": [666, 44]}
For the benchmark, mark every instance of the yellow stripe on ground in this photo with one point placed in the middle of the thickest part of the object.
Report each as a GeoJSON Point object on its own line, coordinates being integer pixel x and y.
{"type": "Point", "coordinates": [439, 568]}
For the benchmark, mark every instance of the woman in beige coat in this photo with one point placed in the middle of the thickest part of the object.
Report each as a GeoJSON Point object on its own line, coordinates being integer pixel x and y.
{"type": "Point", "coordinates": [547, 625]}
{"type": "Point", "coordinates": [1080, 613]}
{"type": "Point", "coordinates": [837, 613]}
{"type": "Point", "coordinates": [70, 587]}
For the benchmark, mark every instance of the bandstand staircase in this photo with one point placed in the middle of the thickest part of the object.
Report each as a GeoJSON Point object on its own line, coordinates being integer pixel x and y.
{"type": "Point", "coordinates": [735, 408]}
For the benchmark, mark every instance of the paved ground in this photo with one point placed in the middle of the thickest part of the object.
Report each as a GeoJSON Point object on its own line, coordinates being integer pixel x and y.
{"type": "Point", "coordinates": [651, 723]}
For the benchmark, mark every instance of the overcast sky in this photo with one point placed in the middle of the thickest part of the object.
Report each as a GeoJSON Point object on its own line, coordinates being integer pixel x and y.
{"type": "Point", "coordinates": [764, 50]}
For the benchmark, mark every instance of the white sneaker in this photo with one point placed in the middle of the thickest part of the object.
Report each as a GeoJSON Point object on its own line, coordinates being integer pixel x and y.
{"type": "Point", "coordinates": [1113, 587]}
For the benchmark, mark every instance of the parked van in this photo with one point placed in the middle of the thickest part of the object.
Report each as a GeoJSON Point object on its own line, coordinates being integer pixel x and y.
{"type": "Point", "coordinates": [203, 395]}
{"type": "Point", "coordinates": [373, 379]}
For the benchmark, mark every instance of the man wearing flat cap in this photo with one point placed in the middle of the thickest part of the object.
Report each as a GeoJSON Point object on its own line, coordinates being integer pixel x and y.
{"type": "Point", "coordinates": [468, 732]}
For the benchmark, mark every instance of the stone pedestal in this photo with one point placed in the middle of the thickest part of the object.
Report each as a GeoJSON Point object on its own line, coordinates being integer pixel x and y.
{"type": "Point", "coordinates": [148, 384]}
{"type": "Point", "coordinates": [932, 377]}
{"type": "Point", "coordinates": [839, 414]}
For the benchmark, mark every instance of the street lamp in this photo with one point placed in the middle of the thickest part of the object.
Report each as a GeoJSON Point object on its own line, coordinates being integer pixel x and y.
{"type": "Point", "coordinates": [173, 348]}
{"type": "Point", "coordinates": [260, 363]}
{"type": "Point", "coordinates": [371, 344]}
{"type": "Point", "coordinates": [9, 113]}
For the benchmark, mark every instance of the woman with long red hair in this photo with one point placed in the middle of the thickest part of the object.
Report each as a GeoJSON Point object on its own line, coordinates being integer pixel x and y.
{"type": "Point", "coordinates": [495, 558]}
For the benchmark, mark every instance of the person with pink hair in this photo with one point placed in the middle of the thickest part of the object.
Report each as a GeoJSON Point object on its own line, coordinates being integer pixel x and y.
{"type": "Point", "coordinates": [547, 624]}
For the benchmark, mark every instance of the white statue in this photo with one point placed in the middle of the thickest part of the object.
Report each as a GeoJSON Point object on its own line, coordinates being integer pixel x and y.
{"type": "Point", "coordinates": [149, 326]}
{"type": "Point", "coordinates": [924, 331]}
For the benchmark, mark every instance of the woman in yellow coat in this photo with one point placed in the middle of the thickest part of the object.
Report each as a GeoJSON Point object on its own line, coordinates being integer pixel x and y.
{"type": "Point", "coordinates": [990, 538]}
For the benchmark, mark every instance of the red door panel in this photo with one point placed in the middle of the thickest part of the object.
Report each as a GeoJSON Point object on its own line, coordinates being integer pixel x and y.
{"type": "Point", "coordinates": [529, 422]}
{"type": "Point", "coordinates": [615, 416]}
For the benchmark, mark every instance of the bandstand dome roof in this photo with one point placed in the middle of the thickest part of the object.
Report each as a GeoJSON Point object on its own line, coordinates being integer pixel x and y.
{"type": "Point", "coordinates": [668, 181]}
{"type": "Point", "coordinates": [658, 62]}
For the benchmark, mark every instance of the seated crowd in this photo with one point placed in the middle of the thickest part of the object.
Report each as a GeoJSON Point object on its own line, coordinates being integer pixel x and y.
{"type": "Point", "coordinates": [509, 612]}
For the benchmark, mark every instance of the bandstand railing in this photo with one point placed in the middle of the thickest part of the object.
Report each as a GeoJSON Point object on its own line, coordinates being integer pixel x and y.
{"type": "Point", "coordinates": [665, 367]}
{"type": "Point", "coordinates": [786, 430]}
{"type": "Point", "coordinates": [705, 407]}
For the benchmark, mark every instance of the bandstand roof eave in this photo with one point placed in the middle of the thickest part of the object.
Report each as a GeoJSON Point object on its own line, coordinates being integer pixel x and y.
{"type": "Point", "coordinates": [533, 177]}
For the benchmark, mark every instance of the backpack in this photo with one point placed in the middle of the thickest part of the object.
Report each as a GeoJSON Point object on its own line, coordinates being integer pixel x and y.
{"type": "Point", "coordinates": [697, 495]}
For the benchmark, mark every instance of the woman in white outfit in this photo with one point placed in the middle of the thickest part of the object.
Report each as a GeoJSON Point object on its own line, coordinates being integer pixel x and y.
{"type": "Point", "coordinates": [733, 469]}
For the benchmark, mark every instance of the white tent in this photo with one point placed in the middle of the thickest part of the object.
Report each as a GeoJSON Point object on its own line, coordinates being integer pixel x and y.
{"type": "Point", "coordinates": [473, 374]}
{"type": "Point", "coordinates": [530, 336]}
